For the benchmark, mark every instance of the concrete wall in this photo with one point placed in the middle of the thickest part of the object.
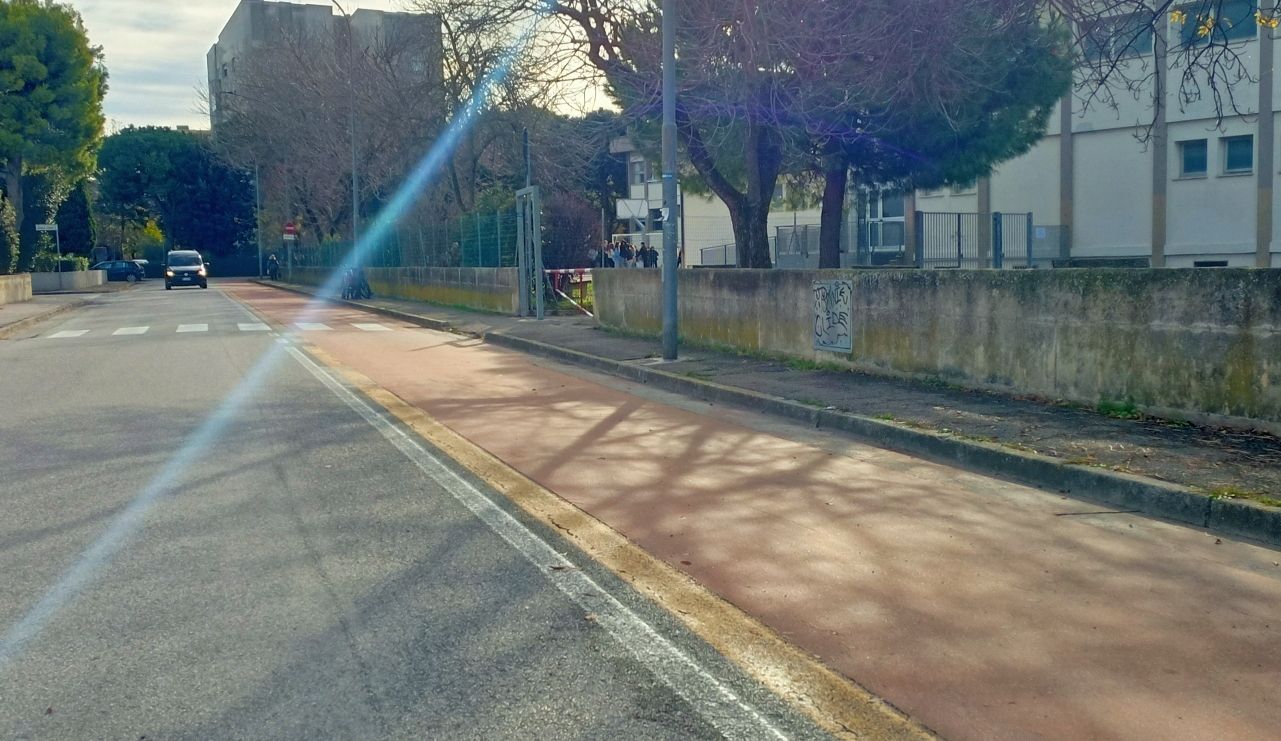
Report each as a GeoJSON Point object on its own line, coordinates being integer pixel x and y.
{"type": "Point", "coordinates": [78, 281]}
{"type": "Point", "coordinates": [1198, 344]}
{"type": "Point", "coordinates": [15, 288]}
{"type": "Point", "coordinates": [484, 289]}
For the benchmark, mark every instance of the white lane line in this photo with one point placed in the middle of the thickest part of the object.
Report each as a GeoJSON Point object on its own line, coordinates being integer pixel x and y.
{"type": "Point", "coordinates": [254, 327]}
{"type": "Point", "coordinates": [190, 328]}
{"type": "Point", "coordinates": [371, 327]}
{"type": "Point", "coordinates": [68, 334]}
{"type": "Point", "coordinates": [129, 331]}
{"type": "Point", "coordinates": [717, 703]}
{"type": "Point", "coordinates": [313, 327]}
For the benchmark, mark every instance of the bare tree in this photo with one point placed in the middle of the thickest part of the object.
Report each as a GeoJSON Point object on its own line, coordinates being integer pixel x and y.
{"type": "Point", "coordinates": [290, 114]}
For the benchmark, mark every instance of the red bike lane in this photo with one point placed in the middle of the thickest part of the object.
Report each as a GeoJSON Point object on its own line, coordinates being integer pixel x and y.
{"type": "Point", "coordinates": [981, 608]}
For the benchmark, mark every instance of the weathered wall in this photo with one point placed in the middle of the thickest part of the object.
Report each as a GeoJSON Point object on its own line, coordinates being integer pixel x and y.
{"type": "Point", "coordinates": [483, 289]}
{"type": "Point", "coordinates": [1203, 344]}
{"type": "Point", "coordinates": [77, 281]}
{"type": "Point", "coordinates": [15, 288]}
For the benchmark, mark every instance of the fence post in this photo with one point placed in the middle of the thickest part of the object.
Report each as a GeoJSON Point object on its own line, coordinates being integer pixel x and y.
{"type": "Point", "coordinates": [1030, 264]}
{"type": "Point", "coordinates": [919, 247]}
{"type": "Point", "coordinates": [998, 245]}
{"type": "Point", "coordinates": [960, 241]}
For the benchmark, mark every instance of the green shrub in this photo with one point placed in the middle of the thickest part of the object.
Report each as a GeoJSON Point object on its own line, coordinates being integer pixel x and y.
{"type": "Point", "coordinates": [47, 262]}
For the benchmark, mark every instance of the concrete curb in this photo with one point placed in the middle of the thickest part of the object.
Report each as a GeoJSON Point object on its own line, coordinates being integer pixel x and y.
{"type": "Point", "coordinates": [1123, 492]}
{"type": "Point", "coordinates": [9, 330]}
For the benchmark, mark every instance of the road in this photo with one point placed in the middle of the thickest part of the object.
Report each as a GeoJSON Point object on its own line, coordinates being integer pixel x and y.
{"type": "Point", "coordinates": [207, 534]}
{"type": "Point", "coordinates": [983, 609]}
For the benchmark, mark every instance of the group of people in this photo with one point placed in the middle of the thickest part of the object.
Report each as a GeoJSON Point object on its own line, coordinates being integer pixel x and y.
{"type": "Point", "coordinates": [622, 254]}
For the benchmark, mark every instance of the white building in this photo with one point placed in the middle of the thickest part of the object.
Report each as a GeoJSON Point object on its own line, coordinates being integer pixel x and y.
{"type": "Point", "coordinates": [1151, 181]}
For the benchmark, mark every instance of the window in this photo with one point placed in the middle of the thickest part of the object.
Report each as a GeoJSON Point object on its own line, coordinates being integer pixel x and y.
{"type": "Point", "coordinates": [1192, 158]}
{"type": "Point", "coordinates": [1120, 37]}
{"type": "Point", "coordinates": [640, 172]}
{"type": "Point", "coordinates": [892, 207]}
{"type": "Point", "coordinates": [1238, 154]}
{"type": "Point", "coordinates": [1233, 21]}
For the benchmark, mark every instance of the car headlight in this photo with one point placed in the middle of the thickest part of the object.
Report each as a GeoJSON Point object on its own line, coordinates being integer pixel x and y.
{"type": "Point", "coordinates": [168, 273]}
{"type": "Point", "coordinates": [202, 272]}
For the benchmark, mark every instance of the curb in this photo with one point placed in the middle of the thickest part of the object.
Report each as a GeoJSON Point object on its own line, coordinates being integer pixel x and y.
{"type": "Point", "coordinates": [1121, 491]}
{"type": "Point", "coordinates": [11, 329]}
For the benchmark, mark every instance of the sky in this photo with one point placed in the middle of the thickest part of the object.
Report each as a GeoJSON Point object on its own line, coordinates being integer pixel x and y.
{"type": "Point", "coordinates": [155, 54]}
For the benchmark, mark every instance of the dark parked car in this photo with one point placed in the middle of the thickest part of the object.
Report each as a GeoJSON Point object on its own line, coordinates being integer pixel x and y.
{"type": "Point", "coordinates": [186, 268]}
{"type": "Point", "coordinates": [126, 270]}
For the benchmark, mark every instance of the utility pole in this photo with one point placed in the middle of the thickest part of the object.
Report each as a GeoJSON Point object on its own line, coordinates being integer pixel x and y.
{"type": "Point", "coordinates": [671, 331]}
{"type": "Point", "coordinates": [258, 216]}
{"type": "Point", "coordinates": [351, 93]}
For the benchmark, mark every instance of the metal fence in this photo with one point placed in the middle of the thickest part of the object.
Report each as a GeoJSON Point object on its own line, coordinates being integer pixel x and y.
{"type": "Point", "coordinates": [969, 241]}
{"type": "Point", "coordinates": [726, 255]}
{"type": "Point", "coordinates": [474, 241]}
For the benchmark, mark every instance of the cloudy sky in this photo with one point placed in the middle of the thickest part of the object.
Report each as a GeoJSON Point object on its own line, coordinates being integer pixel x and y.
{"type": "Point", "coordinates": [155, 52]}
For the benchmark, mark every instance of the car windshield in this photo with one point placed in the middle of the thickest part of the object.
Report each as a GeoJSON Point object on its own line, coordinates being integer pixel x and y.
{"type": "Point", "coordinates": [184, 261]}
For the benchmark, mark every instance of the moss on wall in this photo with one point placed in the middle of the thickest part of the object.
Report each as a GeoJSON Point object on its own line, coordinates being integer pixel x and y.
{"type": "Point", "coordinates": [1200, 341]}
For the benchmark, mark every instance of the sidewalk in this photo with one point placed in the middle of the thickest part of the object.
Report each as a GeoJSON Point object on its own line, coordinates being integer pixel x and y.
{"type": "Point", "coordinates": [1057, 447]}
{"type": "Point", "coordinates": [16, 317]}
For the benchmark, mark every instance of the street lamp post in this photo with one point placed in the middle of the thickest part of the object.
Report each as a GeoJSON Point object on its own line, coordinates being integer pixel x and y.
{"type": "Point", "coordinates": [670, 324]}
{"type": "Point", "coordinates": [351, 91]}
{"type": "Point", "coordinates": [258, 214]}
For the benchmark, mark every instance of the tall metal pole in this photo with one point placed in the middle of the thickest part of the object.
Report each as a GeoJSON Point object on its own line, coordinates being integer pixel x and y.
{"type": "Point", "coordinates": [351, 93]}
{"type": "Point", "coordinates": [670, 326]}
{"type": "Point", "coordinates": [258, 217]}
{"type": "Point", "coordinates": [529, 160]}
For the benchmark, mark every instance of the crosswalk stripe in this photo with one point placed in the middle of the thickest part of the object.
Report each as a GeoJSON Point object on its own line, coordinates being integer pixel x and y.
{"type": "Point", "coordinates": [130, 331]}
{"type": "Point", "coordinates": [188, 328]}
{"type": "Point", "coordinates": [67, 334]}
{"type": "Point", "coordinates": [371, 327]}
{"type": "Point", "coordinates": [254, 327]}
{"type": "Point", "coordinates": [313, 327]}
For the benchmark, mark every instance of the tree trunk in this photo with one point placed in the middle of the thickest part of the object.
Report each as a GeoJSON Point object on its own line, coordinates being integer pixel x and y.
{"type": "Point", "coordinates": [748, 212]}
{"type": "Point", "coordinates": [763, 158]}
{"type": "Point", "coordinates": [751, 233]}
{"type": "Point", "coordinates": [836, 175]}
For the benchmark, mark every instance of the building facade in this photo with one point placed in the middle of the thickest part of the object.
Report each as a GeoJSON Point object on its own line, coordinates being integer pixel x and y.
{"type": "Point", "coordinates": [1149, 179]}
{"type": "Point", "coordinates": [257, 24]}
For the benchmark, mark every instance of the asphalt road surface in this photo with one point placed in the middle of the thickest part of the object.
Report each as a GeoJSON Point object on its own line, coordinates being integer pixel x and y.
{"type": "Point", "coordinates": [203, 534]}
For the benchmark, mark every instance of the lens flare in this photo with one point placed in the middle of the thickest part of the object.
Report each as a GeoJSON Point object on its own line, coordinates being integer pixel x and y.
{"type": "Point", "coordinates": [109, 543]}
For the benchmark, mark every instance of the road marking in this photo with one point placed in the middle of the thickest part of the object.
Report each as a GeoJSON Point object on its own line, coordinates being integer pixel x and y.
{"type": "Point", "coordinates": [313, 327]}
{"type": "Point", "coordinates": [717, 703]}
{"type": "Point", "coordinates": [190, 328]}
{"type": "Point", "coordinates": [371, 327]}
{"type": "Point", "coordinates": [68, 334]}
{"type": "Point", "coordinates": [254, 327]}
{"type": "Point", "coordinates": [130, 331]}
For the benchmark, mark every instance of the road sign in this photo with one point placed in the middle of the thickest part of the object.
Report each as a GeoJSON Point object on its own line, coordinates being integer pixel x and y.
{"type": "Point", "coordinates": [46, 227]}
{"type": "Point", "coordinates": [290, 237]}
{"type": "Point", "coordinates": [291, 228]}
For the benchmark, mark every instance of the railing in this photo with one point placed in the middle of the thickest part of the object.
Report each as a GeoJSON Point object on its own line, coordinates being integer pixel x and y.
{"type": "Point", "coordinates": [971, 242]}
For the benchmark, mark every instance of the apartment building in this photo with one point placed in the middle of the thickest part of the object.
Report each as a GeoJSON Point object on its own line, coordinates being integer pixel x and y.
{"type": "Point", "coordinates": [256, 24]}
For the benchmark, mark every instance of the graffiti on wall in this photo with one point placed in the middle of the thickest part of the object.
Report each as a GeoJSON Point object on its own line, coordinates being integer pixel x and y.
{"type": "Point", "coordinates": [833, 315]}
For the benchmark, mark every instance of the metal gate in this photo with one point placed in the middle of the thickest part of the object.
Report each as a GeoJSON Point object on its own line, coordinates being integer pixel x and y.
{"type": "Point", "coordinates": [529, 252]}
{"type": "Point", "coordinates": [969, 241]}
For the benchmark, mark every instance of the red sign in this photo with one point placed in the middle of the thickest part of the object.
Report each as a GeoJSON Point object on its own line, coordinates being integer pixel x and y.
{"type": "Point", "coordinates": [291, 228]}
